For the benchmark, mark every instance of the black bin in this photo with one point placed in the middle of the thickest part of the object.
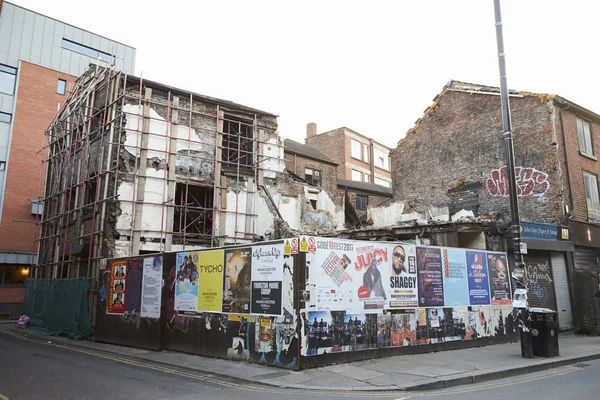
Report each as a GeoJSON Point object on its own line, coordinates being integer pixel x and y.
{"type": "Point", "coordinates": [544, 332]}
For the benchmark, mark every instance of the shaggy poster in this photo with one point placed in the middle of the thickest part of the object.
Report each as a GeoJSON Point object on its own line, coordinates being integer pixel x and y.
{"type": "Point", "coordinates": [186, 282]}
{"type": "Point", "coordinates": [479, 290]}
{"type": "Point", "coordinates": [456, 285]}
{"type": "Point", "coordinates": [236, 283]}
{"type": "Point", "coordinates": [499, 279]}
{"type": "Point", "coordinates": [431, 283]}
{"type": "Point", "coordinates": [210, 277]}
{"type": "Point", "coordinates": [402, 277]}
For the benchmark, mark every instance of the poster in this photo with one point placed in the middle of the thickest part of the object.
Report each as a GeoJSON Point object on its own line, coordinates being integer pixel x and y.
{"type": "Point", "coordinates": [499, 279]}
{"type": "Point", "coordinates": [402, 280]}
{"type": "Point", "coordinates": [236, 281]}
{"type": "Point", "coordinates": [456, 284]}
{"type": "Point", "coordinates": [117, 287]}
{"type": "Point", "coordinates": [479, 291]}
{"type": "Point", "coordinates": [151, 287]}
{"type": "Point", "coordinates": [431, 284]}
{"type": "Point", "coordinates": [371, 261]}
{"type": "Point", "coordinates": [210, 280]}
{"type": "Point", "coordinates": [135, 269]}
{"type": "Point", "coordinates": [330, 274]}
{"type": "Point", "coordinates": [186, 282]}
{"type": "Point", "coordinates": [267, 279]}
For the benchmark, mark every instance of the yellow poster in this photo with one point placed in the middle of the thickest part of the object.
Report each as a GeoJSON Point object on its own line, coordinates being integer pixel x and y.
{"type": "Point", "coordinates": [210, 270]}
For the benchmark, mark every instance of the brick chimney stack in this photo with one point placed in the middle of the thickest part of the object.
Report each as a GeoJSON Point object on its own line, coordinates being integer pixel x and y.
{"type": "Point", "coordinates": [311, 129]}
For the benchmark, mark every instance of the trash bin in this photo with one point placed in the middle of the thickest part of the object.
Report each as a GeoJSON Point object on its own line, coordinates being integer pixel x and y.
{"type": "Point", "coordinates": [544, 332]}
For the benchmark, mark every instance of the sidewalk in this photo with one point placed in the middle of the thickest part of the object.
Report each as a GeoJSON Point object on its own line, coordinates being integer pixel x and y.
{"type": "Point", "coordinates": [411, 372]}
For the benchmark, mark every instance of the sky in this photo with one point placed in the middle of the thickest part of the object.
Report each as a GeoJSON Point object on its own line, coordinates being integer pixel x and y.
{"type": "Point", "coordinates": [372, 66]}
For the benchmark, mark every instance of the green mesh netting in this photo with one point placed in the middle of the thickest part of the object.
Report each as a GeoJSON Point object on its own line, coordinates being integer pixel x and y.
{"type": "Point", "coordinates": [58, 306]}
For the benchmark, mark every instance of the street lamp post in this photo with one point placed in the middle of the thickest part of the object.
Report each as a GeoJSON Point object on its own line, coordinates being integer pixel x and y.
{"type": "Point", "coordinates": [515, 226]}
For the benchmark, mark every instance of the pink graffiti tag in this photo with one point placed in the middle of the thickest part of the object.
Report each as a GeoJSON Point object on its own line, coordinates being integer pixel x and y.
{"type": "Point", "coordinates": [530, 182]}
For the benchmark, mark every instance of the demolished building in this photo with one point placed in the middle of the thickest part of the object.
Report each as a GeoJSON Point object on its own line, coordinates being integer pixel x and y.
{"type": "Point", "coordinates": [136, 167]}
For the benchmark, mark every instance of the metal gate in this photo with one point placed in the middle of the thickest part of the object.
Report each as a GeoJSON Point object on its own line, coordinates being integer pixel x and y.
{"type": "Point", "coordinates": [561, 286]}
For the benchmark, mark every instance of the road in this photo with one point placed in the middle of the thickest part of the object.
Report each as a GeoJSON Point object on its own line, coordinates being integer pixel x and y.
{"type": "Point", "coordinates": [31, 369]}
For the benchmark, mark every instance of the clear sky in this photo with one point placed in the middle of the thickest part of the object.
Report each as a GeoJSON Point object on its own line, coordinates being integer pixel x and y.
{"type": "Point", "coordinates": [373, 66]}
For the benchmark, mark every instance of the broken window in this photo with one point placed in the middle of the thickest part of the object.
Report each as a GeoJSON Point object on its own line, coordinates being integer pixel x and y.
{"type": "Point", "coordinates": [313, 203]}
{"type": "Point", "coordinates": [312, 176]}
{"type": "Point", "coordinates": [238, 144]}
{"type": "Point", "coordinates": [193, 216]}
{"type": "Point", "coordinates": [362, 202]}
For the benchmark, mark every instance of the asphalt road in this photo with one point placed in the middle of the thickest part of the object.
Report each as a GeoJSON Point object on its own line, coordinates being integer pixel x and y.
{"type": "Point", "coordinates": [37, 370]}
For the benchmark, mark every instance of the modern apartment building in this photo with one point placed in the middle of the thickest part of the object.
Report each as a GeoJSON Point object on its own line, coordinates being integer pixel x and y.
{"type": "Point", "coordinates": [40, 58]}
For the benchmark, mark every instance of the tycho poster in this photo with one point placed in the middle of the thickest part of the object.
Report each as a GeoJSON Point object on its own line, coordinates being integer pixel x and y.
{"type": "Point", "coordinates": [479, 290]}
{"type": "Point", "coordinates": [186, 283]}
{"type": "Point", "coordinates": [117, 287]}
{"type": "Point", "coordinates": [237, 279]}
{"type": "Point", "coordinates": [499, 279]}
{"type": "Point", "coordinates": [151, 287]}
{"type": "Point", "coordinates": [456, 285]}
{"type": "Point", "coordinates": [372, 265]}
{"type": "Point", "coordinates": [210, 277]}
{"type": "Point", "coordinates": [431, 283]}
{"type": "Point", "coordinates": [402, 277]}
{"type": "Point", "coordinates": [267, 279]}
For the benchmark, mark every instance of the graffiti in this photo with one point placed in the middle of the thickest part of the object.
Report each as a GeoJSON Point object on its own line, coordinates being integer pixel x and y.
{"type": "Point", "coordinates": [539, 272]}
{"type": "Point", "coordinates": [530, 182]}
{"type": "Point", "coordinates": [538, 291]}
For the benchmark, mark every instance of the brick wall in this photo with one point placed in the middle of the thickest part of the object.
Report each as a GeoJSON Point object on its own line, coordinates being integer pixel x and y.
{"type": "Point", "coordinates": [577, 162]}
{"type": "Point", "coordinates": [449, 159]}
{"type": "Point", "coordinates": [297, 163]}
{"type": "Point", "coordinates": [12, 295]}
{"type": "Point", "coordinates": [36, 105]}
{"type": "Point", "coordinates": [331, 144]}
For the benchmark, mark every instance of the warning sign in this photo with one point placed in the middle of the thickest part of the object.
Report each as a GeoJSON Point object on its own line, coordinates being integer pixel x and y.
{"type": "Point", "coordinates": [312, 244]}
{"type": "Point", "coordinates": [303, 245]}
{"type": "Point", "coordinates": [287, 248]}
{"type": "Point", "coordinates": [294, 246]}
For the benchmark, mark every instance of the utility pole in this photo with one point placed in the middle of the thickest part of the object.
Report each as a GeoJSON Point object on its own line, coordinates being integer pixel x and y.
{"type": "Point", "coordinates": [518, 275]}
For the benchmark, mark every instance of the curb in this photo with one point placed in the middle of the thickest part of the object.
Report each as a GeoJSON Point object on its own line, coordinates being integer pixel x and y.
{"type": "Point", "coordinates": [432, 385]}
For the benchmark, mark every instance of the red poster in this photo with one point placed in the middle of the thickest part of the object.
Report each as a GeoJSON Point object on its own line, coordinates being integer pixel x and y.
{"type": "Point", "coordinates": [117, 287]}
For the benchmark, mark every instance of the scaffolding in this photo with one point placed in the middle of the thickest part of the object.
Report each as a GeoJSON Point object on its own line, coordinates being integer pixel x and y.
{"type": "Point", "coordinates": [135, 167]}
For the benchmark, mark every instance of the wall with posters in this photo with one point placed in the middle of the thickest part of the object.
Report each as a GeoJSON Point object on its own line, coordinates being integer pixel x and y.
{"type": "Point", "coordinates": [233, 302]}
{"type": "Point", "coordinates": [374, 295]}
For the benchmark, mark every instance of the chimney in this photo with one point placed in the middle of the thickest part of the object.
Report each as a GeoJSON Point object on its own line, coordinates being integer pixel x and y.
{"type": "Point", "coordinates": [311, 130]}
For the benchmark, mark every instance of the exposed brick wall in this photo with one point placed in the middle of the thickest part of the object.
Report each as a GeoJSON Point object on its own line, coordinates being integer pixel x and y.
{"type": "Point", "coordinates": [36, 105]}
{"type": "Point", "coordinates": [297, 163]}
{"type": "Point", "coordinates": [577, 162]}
{"type": "Point", "coordinates": [447, 159]}
{"type": "Point", "coordinates": [330, 144]}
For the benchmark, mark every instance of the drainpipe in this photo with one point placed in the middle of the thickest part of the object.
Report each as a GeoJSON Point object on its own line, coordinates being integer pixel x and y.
{"type": "Point", "coordinates": [564, 137]}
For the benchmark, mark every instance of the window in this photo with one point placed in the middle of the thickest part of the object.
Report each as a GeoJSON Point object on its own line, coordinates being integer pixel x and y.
{"type": "Point", "coordinates": [312, 176]}
{"type": "Point", "coordinates": [367, 177]}
{"type": "Point", "coordinates": [584, 131]}
{"type": "Point", "coordinates": [238, 146]}
{"type": "Point", "coordinates": [37, 207]}
{"type": "Point", "coordinates": [356, 175]}
{"type": "Point", "coordinates": [2, 165]}
{"type": "Point", "coordinates": [382, 182]}
{"type": "Point", "coordinates": [366, 153]}
{"type": "Point", "coordinates": [62, 86]}
{"type": "Point", "coordinates": [193, 214]}
{"type": "Point", "coordinates": [313, 203]}
{"type": "Point", "coordinates": [362, 202]}
{"type": "Point", "coordinates": [5, 117]}
{"type": "Point", "coordinates": [8, 78]}
{"type": "Point", "coordinates": [356, 149]}
{"type": "Point", "coordinates": [382, 159]}
{"type": "Point", "coordinates": [590, 182]}
{"type": "Point", "coordinates": [14, 275]}
{"type": "Point", "coordinates": [86, 51]}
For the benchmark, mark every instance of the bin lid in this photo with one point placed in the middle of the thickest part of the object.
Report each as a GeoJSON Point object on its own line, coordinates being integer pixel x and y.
{"type": "Point", "coordinates": [541, 310]}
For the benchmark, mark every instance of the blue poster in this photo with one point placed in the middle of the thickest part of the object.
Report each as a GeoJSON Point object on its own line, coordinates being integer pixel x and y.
{"type": "Point", "coordinates": [456, 284]}
{"type": "Point", "coordinates": [479, 285]}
